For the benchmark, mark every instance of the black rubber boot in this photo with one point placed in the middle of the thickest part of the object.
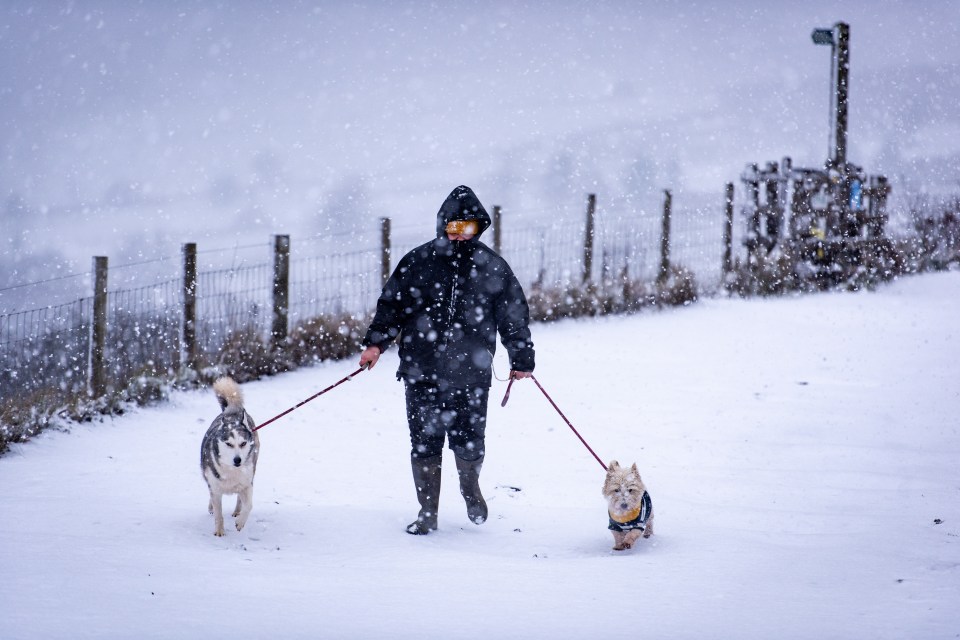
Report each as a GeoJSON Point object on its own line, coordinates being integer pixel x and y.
{"type": "Point", "coordinates": [469, 472]}
{"type": "Point", "coordinates": [426, 478]}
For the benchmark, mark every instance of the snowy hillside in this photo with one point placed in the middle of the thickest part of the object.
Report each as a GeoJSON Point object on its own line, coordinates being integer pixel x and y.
{"type": "Point", "coordinates": [801, 454]}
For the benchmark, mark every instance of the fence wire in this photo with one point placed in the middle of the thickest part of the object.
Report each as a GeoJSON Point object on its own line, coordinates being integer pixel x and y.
{"type": "Point", "coordinates": [338, 284]}
{"type": "Point", "coordinates": [230, 301]}
{"type": "Point", "coordinates": [47, 349]}
{"type": "Point", "coordinates": [143, 332]}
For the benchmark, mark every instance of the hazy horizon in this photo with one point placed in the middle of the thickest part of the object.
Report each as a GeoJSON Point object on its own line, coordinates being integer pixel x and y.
{"type": "Point", "coordinates": [129, 128]}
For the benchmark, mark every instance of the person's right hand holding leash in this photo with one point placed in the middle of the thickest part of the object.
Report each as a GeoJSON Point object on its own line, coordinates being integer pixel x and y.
{"type": "Point", "coordinates": [370, 356]}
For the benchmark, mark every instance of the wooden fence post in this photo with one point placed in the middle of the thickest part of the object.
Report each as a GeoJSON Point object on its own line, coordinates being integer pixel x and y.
{"type": "Point", "coordinates": [728, 232]}
{"type": "Point", "coordinates": [98, 374]}
{"type": "Point", "coordinates": [497, 216]}
{"type": "Point", "coordinates": [588, 238]}
{"type": "Point", "coordinates": [190, 305]}
{"type": "Point", "coordinates": [384, 250]}
{"type": "Point", "coordinates": [281, 291]}
{"type": "Point", "coordinates": [664, 274]}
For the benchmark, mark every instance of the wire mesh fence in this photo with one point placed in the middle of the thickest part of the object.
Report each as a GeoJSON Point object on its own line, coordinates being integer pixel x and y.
{"type": "Point", "coordinates": [48, 348]}
{"type": "Point", "coordinates": [143, 332]}
{"type": "Point", "coordinates": [337, 284]}
{"type": "Point", "coordinates": [696, 245]}
{"type": "Point", "coordinates": [230, 300]}
{"type": "Point", "coordinates": [622, 248]}
{"type": "Point", "coordinates": [45, 350]}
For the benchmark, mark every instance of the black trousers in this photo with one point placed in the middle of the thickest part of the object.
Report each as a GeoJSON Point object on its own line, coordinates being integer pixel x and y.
{"type": "Point", "coordinates": [458, 414]}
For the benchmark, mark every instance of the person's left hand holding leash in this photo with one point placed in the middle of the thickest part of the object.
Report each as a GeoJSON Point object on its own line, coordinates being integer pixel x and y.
{"type": "Point", "coordinates": [514, 375]}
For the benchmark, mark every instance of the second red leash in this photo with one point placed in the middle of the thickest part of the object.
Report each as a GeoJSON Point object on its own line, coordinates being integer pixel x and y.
{"type": "Point", "coordinates": [506, 397]}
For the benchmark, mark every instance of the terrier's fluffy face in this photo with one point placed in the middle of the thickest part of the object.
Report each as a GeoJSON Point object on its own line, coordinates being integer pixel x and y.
{"type": "Point", "coordinates": [623, 488]}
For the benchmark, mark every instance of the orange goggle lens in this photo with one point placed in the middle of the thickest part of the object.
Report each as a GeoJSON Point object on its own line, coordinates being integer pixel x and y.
{"type": "Point", "coordinates": [462, 227]}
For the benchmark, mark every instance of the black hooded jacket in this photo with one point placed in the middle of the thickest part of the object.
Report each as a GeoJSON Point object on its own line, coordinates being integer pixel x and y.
{"type": "Point", "coordinates": [447, 300]}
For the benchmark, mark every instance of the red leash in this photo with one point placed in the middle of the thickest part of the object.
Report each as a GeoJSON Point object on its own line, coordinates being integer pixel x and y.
{"type": "Point", "coordinates": [316, 395]}
{"type": "Point", "coordinates": [506, 396]}
{"type": "Point", "coordinates": [547, 396]}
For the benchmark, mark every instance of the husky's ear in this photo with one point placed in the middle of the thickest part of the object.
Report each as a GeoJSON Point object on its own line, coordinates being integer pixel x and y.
{"type": "Point", "coordinates": [613, 466]}
{"type": "Point", "coordinates": [634, 469]}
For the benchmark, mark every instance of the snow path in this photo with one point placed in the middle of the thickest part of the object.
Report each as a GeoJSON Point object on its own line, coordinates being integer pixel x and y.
{"type": "Point", "coordinates": [798, 452]}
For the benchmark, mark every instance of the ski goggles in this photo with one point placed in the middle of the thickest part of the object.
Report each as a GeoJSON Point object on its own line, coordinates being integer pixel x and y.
{"type": "Point", "coordinates": [462, 227]}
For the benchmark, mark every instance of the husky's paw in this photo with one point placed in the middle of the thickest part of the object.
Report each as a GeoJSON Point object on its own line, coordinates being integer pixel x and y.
{"type": "Point", "coordinates": [218, 533]}
{"type": "Point", "coordinates": [236, 511]}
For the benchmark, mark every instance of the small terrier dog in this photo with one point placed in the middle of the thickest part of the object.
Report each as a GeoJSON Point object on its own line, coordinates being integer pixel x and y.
{"type": "Point", "coordinates": [628, 505]}
{"type": "Point", "coordinates": [228, 455]}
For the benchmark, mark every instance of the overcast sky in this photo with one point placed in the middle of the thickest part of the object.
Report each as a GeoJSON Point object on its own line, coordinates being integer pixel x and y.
{"type": "Point", "coordinates": [280, 114]}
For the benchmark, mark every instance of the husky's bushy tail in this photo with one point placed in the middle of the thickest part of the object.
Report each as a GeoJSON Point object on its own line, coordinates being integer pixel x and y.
{"type": "Point", "coordinates": [228, 394]}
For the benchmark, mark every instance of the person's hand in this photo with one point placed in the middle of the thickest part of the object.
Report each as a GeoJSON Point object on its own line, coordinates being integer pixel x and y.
{"type": "Point", "coordinates": [370, 356]}
{"type": "Point", "coordinates": [516, 375]}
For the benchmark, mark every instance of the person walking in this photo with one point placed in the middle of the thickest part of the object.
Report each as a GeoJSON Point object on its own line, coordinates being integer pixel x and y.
{"type": "Point", "coordinates": [445, 303]}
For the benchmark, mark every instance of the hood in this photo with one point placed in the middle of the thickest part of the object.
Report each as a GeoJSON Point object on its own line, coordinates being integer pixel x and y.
{"type": "Point", "coordinates": [462, 204]}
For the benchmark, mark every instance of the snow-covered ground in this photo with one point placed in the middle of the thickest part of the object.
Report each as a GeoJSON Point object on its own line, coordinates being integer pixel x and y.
{"type": "Point", "coordinates": [802, 455]}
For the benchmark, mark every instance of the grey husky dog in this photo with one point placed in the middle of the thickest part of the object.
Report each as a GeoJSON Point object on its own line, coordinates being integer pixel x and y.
{"type": "Point", "coordinates": [228, 455]}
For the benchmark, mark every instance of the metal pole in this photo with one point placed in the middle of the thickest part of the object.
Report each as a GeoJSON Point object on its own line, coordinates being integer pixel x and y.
{"type": "Point", "coordinates": [841, 76]}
